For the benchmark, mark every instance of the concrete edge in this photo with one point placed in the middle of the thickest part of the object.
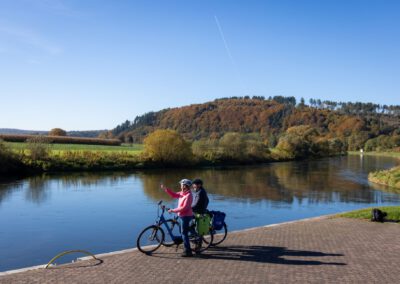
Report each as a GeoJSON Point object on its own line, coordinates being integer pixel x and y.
{"type": "Point", "coordinates": [8, 272]}
{"type": "Point", "coordinates": [287, 223]}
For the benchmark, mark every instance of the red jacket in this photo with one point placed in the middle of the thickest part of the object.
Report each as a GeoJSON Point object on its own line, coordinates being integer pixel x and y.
{"type": "Point", "coordinates": [184, 204]}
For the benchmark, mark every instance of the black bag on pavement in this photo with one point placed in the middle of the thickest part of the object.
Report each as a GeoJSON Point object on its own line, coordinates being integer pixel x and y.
{"type": "Point", "coordinates": [378, 215]}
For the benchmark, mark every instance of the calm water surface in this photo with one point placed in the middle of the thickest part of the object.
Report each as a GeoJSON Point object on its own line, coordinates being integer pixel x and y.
{"type": "Point", "coordinates": [44, 215]}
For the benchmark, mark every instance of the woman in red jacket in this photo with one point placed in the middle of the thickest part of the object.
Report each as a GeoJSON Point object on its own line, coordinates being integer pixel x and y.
{"type": "Point", "coordinates": [184, 211]}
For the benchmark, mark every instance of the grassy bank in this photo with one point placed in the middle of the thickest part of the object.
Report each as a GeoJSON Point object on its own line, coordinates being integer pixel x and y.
{"type": "Point", "coordinates": [386, 177]}
{"type": "Point", "coordinates": [163, 149]}
{"type": "Point", "coordinates": [19, 158]}
{"type": "Point", "coordinates": [389, 177]}
{"type": "Point", "coordinates": [392, 211]}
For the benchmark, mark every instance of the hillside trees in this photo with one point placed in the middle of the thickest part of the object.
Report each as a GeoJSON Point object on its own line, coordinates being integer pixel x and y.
{"type": "Point", "coordinates": [382, 142]}
{"type": "Point", "coordinates": [305, 141]}
{"type": "Point", "coordinates": [352, 123]}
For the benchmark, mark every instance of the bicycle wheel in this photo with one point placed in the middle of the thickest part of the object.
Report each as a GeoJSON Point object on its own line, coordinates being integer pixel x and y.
{"type": "Point", "coordinates": [199, 243]}
{"type": "Point", "coordinates": [175, 228]}
{"type": "Point", "coordinates": [150, 239]}
{"type": "Point", "coordinates": [220, 235]}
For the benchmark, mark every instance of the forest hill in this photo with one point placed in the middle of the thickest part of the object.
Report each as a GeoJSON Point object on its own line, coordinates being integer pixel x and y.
{"type": "Point", "coordinates": [352, 123]}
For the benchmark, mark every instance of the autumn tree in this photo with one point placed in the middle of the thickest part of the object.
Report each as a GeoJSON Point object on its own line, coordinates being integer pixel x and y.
{"type": "Point", "coordinates": [299, 141]}
{"type": "Point", "coordinates": [106, 135]}
{"type": "Point", "coordinates": [167, 147]}
{"type": "Point", "coordinates": [57, 132]}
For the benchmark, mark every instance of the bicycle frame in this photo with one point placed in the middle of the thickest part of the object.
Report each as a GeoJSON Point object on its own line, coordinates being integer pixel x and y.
{"type": "Point", "coordinates": [162, 221]}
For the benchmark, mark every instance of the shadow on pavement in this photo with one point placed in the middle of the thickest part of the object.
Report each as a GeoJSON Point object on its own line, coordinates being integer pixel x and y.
{"type": "Point", "coordinates": [268, 255]}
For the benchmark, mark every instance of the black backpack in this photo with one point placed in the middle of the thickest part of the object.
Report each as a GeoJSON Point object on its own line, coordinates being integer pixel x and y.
{"type": "Point", "coordinates": [378, 215]}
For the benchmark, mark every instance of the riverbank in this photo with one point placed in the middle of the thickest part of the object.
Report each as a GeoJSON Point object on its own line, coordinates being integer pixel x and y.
{"type": "Point", "coordinates": [393, 213]}
{"type": "Point", "coordinates": [322, 250]}
{"type": "Point", "coordinates": [25, 158]}
{"type": "Point", "coordinates": [390, 177]}
{"type": "Point", "coordinates": [375, 153]}
{"type": "Point", "coordinates": [386, 177]}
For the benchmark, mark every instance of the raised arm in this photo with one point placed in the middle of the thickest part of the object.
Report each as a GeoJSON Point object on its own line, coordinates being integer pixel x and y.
{"type": "Point", "coordinates": [170, 192]}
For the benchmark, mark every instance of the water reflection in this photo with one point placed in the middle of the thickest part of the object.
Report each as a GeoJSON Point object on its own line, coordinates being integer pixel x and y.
{"type": "Point", "coordinates": [39, 187]}
{"type": "Point", "coordinates": [327, 180]}
{"type": "Point", "coordinates": [7, 188]}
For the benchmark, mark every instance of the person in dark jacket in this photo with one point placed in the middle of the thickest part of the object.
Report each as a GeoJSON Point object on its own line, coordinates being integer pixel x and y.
{"type": "Point", "coordinates": [200, 198]}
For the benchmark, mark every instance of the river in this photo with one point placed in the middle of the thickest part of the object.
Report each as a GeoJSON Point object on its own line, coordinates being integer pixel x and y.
{"type": "Point", "coordinates": [44, 215]}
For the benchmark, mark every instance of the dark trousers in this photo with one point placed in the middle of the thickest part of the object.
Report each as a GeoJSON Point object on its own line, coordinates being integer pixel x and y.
{"type": "Point", "coordinates": [185, 222]}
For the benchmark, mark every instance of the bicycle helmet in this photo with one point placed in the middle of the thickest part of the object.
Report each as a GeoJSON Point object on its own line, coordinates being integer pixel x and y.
{"type": "Point", "coordinates": [185, 181]}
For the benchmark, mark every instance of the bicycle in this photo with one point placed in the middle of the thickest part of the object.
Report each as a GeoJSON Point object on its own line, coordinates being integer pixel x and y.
{"type": "Point", "coordinates": [153, 236]}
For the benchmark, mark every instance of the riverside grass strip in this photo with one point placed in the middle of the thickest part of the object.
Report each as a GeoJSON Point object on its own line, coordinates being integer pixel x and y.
{"type": "Point", "coordinates": [62, 148]}
{"type": "Point", "coordinates": [61, 139]}
{"type": "Point", "coordinates": [392, 211]}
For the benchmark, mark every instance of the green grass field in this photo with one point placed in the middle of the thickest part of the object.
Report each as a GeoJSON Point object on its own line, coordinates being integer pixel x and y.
{"type": "Point", "coordinates": [392, 211]}
{"type": "Point", "coordinates": [60, 148]}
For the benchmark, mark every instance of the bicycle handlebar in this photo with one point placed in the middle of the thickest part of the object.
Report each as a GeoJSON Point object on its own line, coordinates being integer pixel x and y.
{"type": "Point", "coordinates": [163, 207]}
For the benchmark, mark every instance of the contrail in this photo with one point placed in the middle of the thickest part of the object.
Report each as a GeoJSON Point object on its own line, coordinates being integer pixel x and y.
{"type": "Point", "coordinates": [228, 51]}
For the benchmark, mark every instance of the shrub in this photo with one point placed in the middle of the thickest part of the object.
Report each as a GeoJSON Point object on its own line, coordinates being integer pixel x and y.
{"type": "Point", "coordinates": [9, 162]}
{"type": "Point", "coordinates": [38, 148]}
{"type": "Point", "coordinates": [167, 147]}
{"type": "Point", "coordinates": [207, 149]}
{"type": "Point", "coordinates": [232, 146]}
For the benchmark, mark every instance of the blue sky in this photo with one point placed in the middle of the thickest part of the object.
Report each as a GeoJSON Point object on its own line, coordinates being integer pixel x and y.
{"type": "Point", "coordinates": [83, 65]}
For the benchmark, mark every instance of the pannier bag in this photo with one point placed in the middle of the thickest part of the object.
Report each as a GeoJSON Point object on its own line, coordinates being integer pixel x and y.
{"type": "Point", "coordinates": [218, 219]}
{"type": "Point", "coordinates": [203, 222]}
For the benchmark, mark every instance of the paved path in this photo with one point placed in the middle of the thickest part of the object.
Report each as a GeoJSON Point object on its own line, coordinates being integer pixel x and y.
{"type": "Point", "coordinates": [327, 250]}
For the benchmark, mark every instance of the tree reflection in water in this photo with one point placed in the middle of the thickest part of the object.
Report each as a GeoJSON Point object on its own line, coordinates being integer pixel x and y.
{"type": "Point", "coordinates": [317, 181]}
{"type": "Point", "coordinates": [326, 180]}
